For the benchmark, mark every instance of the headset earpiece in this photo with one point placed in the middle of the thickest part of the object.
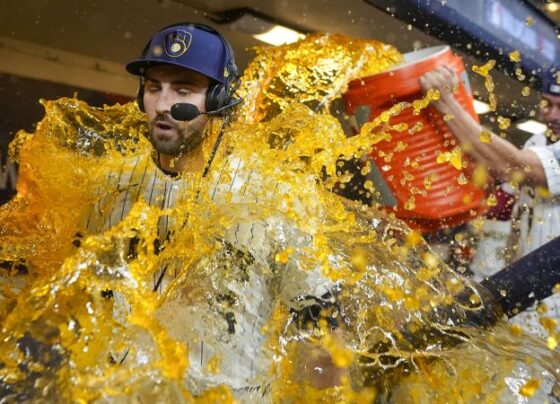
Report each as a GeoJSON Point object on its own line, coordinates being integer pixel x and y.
{"type": "Point", "coordinates": [216, 97]}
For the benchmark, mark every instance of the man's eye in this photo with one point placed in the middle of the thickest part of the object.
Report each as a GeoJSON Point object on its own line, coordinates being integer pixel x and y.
{"type": "Point", "coordinates": [184, 91]}
{"type": "Point", "coordinates": [152, 89]}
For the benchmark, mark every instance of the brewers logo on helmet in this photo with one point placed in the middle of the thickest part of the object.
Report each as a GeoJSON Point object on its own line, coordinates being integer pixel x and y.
{"type": "Point", "coordinates": [177, 43]}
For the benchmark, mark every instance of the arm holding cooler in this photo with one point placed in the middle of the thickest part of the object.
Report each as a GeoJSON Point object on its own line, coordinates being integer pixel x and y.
{"type": "Point", "coordinates": [500, 156]}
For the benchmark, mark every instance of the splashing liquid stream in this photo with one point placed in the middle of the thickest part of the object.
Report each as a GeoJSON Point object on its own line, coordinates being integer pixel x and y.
{"type": "Point", "coordinates": [243, 243]}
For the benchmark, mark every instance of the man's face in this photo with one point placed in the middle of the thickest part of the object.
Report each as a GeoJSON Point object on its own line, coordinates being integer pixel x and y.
{"type": "Point", "coordinates": [164, 86]}
{"type": "Point", "coordinates": [550, 112]}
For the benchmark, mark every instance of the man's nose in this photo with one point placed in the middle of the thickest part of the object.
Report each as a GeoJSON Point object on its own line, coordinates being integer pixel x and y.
{"type": "Point", "coordinates": [164, 102]}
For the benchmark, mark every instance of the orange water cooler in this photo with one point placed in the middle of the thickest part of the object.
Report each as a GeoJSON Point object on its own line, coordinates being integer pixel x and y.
{"type": "Point", "coordinates": [443, 195]}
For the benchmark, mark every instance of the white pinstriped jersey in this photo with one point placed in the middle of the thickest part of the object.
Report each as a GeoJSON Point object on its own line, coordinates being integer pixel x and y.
{"type": "Point", "coordinates": [138, 178]}
{"type": "Point", "coordinates": [232, 332]}
{"type": "Point", "coordinates": [540, 219]}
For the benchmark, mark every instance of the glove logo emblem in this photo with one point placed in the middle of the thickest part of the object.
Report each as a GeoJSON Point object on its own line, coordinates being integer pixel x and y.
{"type": "Point", "coordinates": [177, 43]}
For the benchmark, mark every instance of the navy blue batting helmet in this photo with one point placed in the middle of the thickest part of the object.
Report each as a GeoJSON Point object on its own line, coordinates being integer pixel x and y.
{"type": "Point", "coordinates": [192, 46]}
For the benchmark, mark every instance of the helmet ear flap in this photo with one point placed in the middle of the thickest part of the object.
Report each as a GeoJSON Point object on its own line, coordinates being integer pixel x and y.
{"type": "Point", "coordinates": [140, 95]}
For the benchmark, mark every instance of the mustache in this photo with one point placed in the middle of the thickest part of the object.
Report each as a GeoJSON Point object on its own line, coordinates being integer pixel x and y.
{"type": "Point", "coordinates": [166, 118]}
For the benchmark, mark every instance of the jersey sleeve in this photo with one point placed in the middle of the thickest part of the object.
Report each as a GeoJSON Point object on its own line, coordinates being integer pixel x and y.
{"type": "Point", "coordinates": [550, 159]}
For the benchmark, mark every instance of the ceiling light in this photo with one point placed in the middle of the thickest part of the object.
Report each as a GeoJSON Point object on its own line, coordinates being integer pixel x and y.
{"type": "Point", "coordinates": [532, 126]}
{"type": "Point", "coordinates": [553, 7]}
{"type": "Point", "coordinates": [259, 25]}
{"type": "Point", "coordinates": [279, 35]}
{"type": "Point", "coordinates": [481, 107]}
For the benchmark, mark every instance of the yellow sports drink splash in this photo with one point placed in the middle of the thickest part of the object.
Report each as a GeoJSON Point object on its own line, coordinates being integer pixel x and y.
{"type": "Point", "coordinates": [254, 283]}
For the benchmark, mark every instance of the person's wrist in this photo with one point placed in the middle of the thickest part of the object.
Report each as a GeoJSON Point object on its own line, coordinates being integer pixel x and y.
{"type": "Point", "coordinates": [445, 103]}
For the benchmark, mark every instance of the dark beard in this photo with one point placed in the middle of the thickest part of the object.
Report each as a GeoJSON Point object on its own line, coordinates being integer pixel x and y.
{"type": "Point", "coordinates": [190, 136]}
{"type": "Point", "coordinates": [172, 147]}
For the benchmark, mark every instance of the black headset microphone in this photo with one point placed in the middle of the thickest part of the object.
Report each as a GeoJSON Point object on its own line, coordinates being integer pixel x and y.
{"type": "Point", "coordinates": [185, 112]}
